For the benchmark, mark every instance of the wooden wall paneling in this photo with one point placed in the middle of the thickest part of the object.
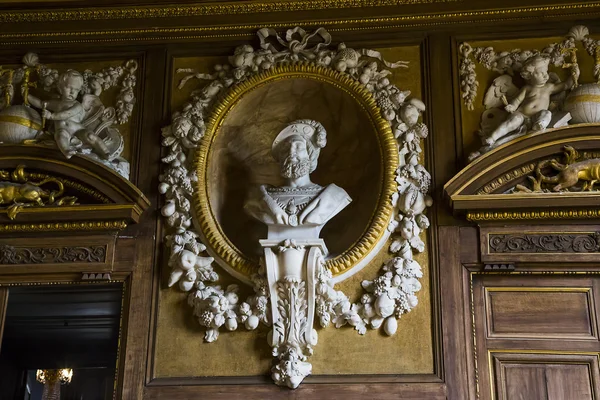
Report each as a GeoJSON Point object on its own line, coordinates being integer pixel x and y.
{"type": "Point", "coordinates": [538, 243]}
{"type": "Point", "coordinates": [439, 91]}
{"type": "Point", "coordinates": [355, 391]}
{"type": "Point", "coordinates": [147, 242]}
{"type": "Point", "coordinates": [542, 325]}
{"type": "Point", "coordinates": [43, 255]}
{"type": "Point", "coordinates": [545, 313]}
{"type": "Point", "coordinates": [430, 51]}
{"type": "Point", "coordinates": [482, 377]}
{"type": "Point", "coordinates": [452, 295]}
{"type": "Point", "coordinates": [545, 375]}
{"type": "Point", "coordinates": [3, 305]}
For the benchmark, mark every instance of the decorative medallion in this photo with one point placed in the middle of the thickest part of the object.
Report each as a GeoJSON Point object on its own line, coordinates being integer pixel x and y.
{"type": "Point", "coordinates": [238, 185]}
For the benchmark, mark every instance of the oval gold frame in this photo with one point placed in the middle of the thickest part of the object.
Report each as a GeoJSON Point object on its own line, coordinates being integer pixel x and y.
{"type": "Point", "coordinates": [210, 229]}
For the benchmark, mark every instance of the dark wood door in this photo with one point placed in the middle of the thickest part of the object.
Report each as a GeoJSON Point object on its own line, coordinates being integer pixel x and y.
{"type": "Point", "coordinates": [536, 336]}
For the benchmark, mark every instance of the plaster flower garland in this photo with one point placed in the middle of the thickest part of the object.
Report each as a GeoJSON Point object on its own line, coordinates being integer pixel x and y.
{"type": "Point", "coordinates": [387, 297]}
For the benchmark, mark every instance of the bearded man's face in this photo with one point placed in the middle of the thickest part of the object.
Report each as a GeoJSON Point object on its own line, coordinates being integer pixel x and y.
{"type": "Point", "coordinates": [296, 163]}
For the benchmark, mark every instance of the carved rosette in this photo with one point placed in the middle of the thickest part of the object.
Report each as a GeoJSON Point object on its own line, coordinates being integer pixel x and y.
{"type": "Point", "coordinates": [289, 299]}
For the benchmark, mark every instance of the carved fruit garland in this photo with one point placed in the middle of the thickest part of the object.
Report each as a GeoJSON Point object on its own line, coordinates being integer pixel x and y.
{"type": "Point", "coordinates": [387, 297]}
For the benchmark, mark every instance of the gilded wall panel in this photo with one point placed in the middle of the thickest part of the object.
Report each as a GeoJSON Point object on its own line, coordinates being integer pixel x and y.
{"type": "Point", "coordinates": [181, 352]}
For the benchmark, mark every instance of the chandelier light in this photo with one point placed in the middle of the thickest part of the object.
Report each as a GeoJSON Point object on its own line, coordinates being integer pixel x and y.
{"type": "Point", "coordinates": [52, 379]}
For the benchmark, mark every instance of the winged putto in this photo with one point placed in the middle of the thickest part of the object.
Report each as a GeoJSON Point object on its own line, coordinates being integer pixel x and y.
{"type": "Point", "coordinates": [68, 112]}
{"type": "Point", "coordinates": [512, 111]}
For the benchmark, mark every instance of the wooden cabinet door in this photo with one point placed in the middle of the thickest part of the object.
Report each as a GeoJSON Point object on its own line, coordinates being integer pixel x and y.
{"type": "Point", "coordinates": [536, 336]}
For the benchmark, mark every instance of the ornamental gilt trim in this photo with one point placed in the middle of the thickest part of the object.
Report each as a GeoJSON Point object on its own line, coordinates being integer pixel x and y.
{"type": "Point", "coordinates": [11, 255]}
{"type": "Point", "coordinates": [545, 243]}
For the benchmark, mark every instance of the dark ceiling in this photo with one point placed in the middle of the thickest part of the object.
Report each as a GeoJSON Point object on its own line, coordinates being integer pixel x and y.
{"type": "Point", "coordinates": [63, 326]}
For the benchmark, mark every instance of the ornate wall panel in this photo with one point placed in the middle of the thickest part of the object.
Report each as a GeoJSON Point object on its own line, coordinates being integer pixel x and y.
{"type": "Point", "coordinates": [508, 297]}
{"type": "Point", "coordinates": [175, 341]}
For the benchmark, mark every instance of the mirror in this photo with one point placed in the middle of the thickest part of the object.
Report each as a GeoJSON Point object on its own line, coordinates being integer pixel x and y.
{"type": "Point", "coordinates": [61, 342]}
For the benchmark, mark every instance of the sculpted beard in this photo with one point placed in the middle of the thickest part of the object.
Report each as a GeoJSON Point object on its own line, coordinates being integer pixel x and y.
{"type": "Point", "coordinates": [293, 168]}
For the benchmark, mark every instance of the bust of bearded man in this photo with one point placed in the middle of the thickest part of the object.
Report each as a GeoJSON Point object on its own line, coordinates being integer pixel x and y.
{"type": "Point", "coordinates": [300, 203]}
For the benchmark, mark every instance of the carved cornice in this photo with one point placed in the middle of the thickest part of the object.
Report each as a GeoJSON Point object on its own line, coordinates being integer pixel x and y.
{"type": "Point", "coordinates": [223, 8]}
{"type": "Point", "coordinates": [99, 196]}
{"type": "Point", "coordinates": [509, 176]}
{"type": "Point", "coordinates": [583, 9]}
{"type": "Point", "coordinates": [544, 243]}
{"type": "Point", "coordinates": [12, 255]}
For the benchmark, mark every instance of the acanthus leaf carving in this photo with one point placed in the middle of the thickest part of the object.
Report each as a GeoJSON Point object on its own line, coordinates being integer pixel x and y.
{"type": "Point", "coordinates": [13, 255]}
{"type": "Point", "coordinates": [544, 243]}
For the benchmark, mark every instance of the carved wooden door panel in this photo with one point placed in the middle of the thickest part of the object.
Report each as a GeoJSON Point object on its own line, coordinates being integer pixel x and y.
{"type": "Point", "coordinates": [3, 303]}
{"type": "Point", "coordinates": [536, 336]}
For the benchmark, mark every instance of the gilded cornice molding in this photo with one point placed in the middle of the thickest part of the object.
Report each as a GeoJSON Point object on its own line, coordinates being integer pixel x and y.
{"type": "Point", "coordinates": [226, 8]}
{"type": "Point", "coordinates": [580, 9]}
{"type": "Point", "coordinates": [479, 216]}
{"type": "Point", "coordinates": [64, 226]}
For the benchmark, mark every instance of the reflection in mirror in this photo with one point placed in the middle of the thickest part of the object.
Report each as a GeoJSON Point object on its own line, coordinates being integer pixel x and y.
{"type": "Point", "coordinates": [61, 342]}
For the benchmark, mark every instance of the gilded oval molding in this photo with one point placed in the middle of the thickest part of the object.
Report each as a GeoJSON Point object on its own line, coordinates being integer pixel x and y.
{"type": "Point", "coordinates": [215, 237]}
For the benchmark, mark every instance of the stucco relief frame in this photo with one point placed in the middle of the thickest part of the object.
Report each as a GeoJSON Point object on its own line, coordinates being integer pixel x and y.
{"type": "Point", "coordinates": [400, 213]}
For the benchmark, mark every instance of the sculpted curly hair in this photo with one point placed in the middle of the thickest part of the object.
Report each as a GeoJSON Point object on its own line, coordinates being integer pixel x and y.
{"type": "Point", "coordinates": [69, 74]}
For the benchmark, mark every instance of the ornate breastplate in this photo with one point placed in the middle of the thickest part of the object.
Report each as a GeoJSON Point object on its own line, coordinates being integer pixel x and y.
{"type": "Point", "coordinates": [292, 200]}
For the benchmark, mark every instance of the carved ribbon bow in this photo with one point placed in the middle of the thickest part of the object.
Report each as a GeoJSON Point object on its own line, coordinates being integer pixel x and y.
{"type": "Point", "coordinates": [295, 46]}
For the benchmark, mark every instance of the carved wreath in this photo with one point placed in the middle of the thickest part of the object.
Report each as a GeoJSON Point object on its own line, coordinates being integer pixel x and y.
{"type": "Point", "coordinates": [387, 297]}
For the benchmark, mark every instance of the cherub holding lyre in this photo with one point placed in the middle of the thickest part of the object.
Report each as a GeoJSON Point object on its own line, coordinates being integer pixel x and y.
{"type": "Point", "coordinates": [69, 116]}
{"type": "Point", "coordinates": [529, 109]}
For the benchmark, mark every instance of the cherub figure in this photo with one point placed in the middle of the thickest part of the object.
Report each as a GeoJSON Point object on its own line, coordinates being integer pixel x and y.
{"type": "Point", "coordinates": [69, 116]}
{"type": "Point", "coordinates": [529, 109]}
